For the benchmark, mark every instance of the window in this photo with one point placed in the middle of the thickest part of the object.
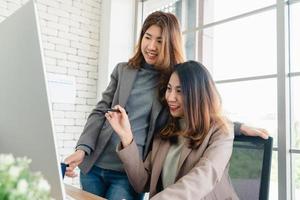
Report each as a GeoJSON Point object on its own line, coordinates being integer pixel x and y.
{"type": "Point", "coordinates": [294, 33]}
{"type": "Point", "coordinates": [216, 10]}
{"type": "Point", "coordinates": [240, 43]}
{"type": "Point", "coordinates": [245, 47]}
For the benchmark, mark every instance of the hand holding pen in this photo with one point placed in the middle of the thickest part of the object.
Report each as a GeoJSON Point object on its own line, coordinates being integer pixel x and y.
{"type": "Point", "coordinates": [119, 121]}
{"type": "Point", "coordinates": [105, 110]}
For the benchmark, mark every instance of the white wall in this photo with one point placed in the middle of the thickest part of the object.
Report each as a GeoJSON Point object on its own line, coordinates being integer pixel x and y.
{"type": "Point", "coordinates": [70, 38]}
{"type": "Point", "coordinates": [117, 37]}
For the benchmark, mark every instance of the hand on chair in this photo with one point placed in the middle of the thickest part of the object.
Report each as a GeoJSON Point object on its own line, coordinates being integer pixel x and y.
{"type": "Point", "coordinates": [253, 131]}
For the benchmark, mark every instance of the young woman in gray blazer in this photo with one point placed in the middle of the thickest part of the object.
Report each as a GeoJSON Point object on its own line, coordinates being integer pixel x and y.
{"type": "Point", "coordinates": [190, 156]}
{"type": "Point", "coordinates": [138, 86]}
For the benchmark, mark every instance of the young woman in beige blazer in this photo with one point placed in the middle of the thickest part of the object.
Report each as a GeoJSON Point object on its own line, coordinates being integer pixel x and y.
{"type": "Point", "coordinates": [190, 156]}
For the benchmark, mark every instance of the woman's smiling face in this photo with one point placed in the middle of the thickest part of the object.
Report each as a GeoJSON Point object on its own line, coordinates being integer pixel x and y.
{"type": "Point", "coordinates": [174, 96]}
{"type": "Point", "coordinates": [151, 44]}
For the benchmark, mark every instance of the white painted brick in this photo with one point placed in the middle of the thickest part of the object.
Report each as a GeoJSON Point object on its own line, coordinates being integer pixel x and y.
{"type": "Point", "coordinates": [65, 152]}
{"type": "Point", "coordinates": [88, 54]}
{"type": "Point", "coordinates": [83, 6]}
{"type": "Point", "coordinates": [78, 73]}
{"type": "Point", "coordinates": [43, 23]}
{"type": "Point", "coordinates": [56, 69]}
{"type": "Point", "coordinates": [92, 88]}
{"type": "Point", "coordinates": [64, 107]}
{"type": "Point", "coordinates": [74, 129]}
{"type": "Point", "coordinates": [68, 64]}
{"type": "Point", "coordinates": [95, 23]}
{"type": "Point", "coordinates": [60, 41]}
{"type": "Point", "coordinates": [96, 11]}
{"type": "Point", "coordinates": [94, 36]}
{"type": "Point", "coordinates": [44, 38]}
{"type": "Point", "coordinates": [57, 26]}
{"type": "Point", "coordinates": [64, 122]}
{"type": "Point", "coordinates": [3, 4]}
{"type": "Point", "coordinates": [69, 143]}
{"type": "Point", "coordinates": [55, 54]}
{"type": "Point", "coordinates": [93, 75]}
{"type": "Point", "coordinates": [84, 87]}
{"type": "Point", "coordinates": [89, 41]}
{"type": "Point", "coordinates": [94, 49]}
{"type": "Point", "coordinates": [84, 108]}
{"type": "Point", "coordinates": [48, 46]}
{"type": "Point", "coordinates": [80, 45]}
{"type": "Point", "coordinates": [48, 3]}
{"type": "Point", "coordinates": [58, 12]}
{"type": "Point", "coordinates": [87, 8]}
{"type": "Point", "coordinates": [79, 18]}
{"type": "Point", "coordinates": [60, 143]}
{"type": "Point", "coordinates": [88, 67]}
{"type": "Point", "coordinates": [75, 115]}
{"type": "Point", "coordinates": [68, 36]}
{"type": "Point", "coordinates": [65, 49]}
{"type": "Point", "coordinates": [65, 2]}
{"type": "Point", "coordinates": [80, 122]}
{"type": "Point", "coordinates": [49, 31]}
{"type": "Point", "coordinates": [60, 129]}
{"type": "Point", "coordinates": [72, 10]}
{"type": "Point", "coordinates": [91, 15]}
{"type": "Point", "coordinates": [80, 32]}
{"type": "Point", "coordinates": [50, 61]}
{"type": "Point", "coordinates": [91, 102]}
{"type": "Point", "coordinates": [93, 62]}
{"type": "Point", "coordinates": [78, 59]}
{"type": "Point", "coordinates": [69, 22]}
{"type": "Point", "coordinates": [41, 8]}
{"type": "Point", "coordinates": [86, 94]}
{"type": "Point", "coordinates": [95, 4]}
{"type": "Point", "coordinates": [48, 17]}
{"type": "Point", "coordinates": [88, 27]}
{"type": "Point", "coordinates": [79, 100]}
{"type": "Point", "coordinates": [86, 81]}
{"type": "Point", "coordinates": [81, 87]}
{"type": "Point", "coordinates": [58, 114]}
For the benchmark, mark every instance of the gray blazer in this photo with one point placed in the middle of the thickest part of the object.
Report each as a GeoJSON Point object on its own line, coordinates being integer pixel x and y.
{"type": "Point", "coordinates": [202, 173]}
{"type": "Point", "coordinates": [97, 131]}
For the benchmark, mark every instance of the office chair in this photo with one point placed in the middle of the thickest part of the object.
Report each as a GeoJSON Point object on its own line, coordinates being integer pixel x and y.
{"type": "Point", "coordinates": [250, 167]}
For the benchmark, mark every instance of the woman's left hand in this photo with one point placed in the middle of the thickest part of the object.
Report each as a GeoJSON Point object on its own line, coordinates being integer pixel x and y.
{"type": "Point", "coordinates": [120, 123]}
{"type": "Point", "coordinates": [252, 131]}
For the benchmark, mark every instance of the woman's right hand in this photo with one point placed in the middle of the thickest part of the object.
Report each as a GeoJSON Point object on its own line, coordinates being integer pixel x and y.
{"type": "Point", "coordinates": [73, 161]}
{"type": "Point", "coordinates": [120, 123]}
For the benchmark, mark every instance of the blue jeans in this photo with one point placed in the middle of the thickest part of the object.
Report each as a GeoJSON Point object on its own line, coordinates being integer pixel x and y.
{"type": "Point", "coordinates": [112, 185]}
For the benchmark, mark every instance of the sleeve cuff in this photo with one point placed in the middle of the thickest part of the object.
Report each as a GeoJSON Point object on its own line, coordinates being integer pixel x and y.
{"type": "Point", "coordinates": [84, 148]}
{"type": "Point", "coordinates": [124, 152]}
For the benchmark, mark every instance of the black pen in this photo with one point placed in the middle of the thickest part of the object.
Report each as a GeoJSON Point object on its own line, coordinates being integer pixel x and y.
{"type": "Point", "coordinates": [105, 110]}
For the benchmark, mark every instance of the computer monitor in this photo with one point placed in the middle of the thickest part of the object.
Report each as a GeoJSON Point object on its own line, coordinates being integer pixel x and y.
{"type": "Point", "coordinates": [26, 127]}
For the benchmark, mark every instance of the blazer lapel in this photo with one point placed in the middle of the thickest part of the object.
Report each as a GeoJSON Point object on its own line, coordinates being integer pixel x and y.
{"type": "Point", "coordinates": [128, 78]}
{"type": "Point", "coordinates": [159, 160]}
{"type": "Point", "coordinates": [184, 154]}
{"type": "Point", "coordinates": [186, 151]}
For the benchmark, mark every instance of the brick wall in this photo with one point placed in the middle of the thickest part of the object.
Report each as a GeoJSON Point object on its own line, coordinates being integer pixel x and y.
{"type": "Point", "coordinates": [70, 38]}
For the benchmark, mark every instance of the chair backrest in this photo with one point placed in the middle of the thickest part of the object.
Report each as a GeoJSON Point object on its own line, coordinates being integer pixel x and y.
{"type": "Point", "coordinates": [250, 167]}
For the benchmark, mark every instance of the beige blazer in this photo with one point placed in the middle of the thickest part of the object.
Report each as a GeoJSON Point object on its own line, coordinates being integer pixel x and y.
{"type": "Point", "coordinates": [202, 173]}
